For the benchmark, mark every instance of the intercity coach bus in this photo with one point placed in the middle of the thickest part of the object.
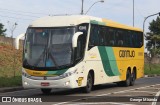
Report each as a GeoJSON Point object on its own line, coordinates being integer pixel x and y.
{"type": "Point", "coordinates": [81, 51]}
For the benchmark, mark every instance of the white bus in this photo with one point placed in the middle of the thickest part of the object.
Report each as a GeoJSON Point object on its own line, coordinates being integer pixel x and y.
{"type": "Point", "coordinates": [81, 51]}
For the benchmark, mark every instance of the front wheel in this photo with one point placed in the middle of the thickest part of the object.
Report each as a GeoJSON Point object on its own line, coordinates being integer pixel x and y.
{"type": "Point", "coordinates": [46, 91]}
{"type": "Point", "coordinates": [89, 85]}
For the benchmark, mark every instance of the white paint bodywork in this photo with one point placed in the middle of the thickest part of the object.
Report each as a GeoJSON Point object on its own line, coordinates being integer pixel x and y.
{"type": "Point", "coordinates": [62, 21]}
{"type": "Point", "coordinates": [83, 67]}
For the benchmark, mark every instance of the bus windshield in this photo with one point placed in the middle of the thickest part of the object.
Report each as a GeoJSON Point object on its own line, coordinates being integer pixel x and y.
{"type": "Point", "coordinates": [48, 47]}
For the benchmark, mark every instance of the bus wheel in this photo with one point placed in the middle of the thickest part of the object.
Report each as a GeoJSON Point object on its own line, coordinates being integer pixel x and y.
{"type": "Point", "coordinates": [133, 78]}
{"type": "Point", "coordinates": [46, 91]}
{"type": "Point", "coordinates": [88, 87]}
{"type": "Point", "coordinates": [128, 79]}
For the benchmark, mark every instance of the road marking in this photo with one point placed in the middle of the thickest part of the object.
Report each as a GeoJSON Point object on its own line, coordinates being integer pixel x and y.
{"type": "Point", "coordinates": [100, 103]}
{"type": "Point", "coordinates": [156, 96]}
{"type": "Point", "coordinates": [128, 90]}
{"type": "Point", "coordinates": [143, 91]}
{"type": "Point", "coordinates": [107, 94]}
{"type": "Point", "coordinates": [153, 88]}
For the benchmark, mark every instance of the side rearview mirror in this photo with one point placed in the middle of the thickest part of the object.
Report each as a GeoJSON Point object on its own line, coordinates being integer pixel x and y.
{"type": "Point", "coordinates": [75, 38]}
{"type": "Point", "coordinates": [17, 40]}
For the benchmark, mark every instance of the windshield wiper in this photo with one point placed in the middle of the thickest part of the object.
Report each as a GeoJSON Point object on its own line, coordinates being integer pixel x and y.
{"type": "Point", "coordinates": [53, 59]}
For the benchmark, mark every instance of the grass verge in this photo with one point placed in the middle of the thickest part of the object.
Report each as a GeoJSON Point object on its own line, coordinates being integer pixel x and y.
{"type": "Point", "coordinates": [151, 69]}
{"type": "Point", "coordinates": [10, 63]}
{"type": "Point", "coordinates": [11, 81]}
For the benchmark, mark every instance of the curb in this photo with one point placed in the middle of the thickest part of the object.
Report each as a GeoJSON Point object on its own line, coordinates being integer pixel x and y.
{"type": "Point", "coordinates": [152, 75]}
{"type": "Point", "coordinates": [10, 89]}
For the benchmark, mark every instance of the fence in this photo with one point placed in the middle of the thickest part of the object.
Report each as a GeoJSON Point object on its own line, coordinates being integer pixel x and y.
{"type": "Point", "coordinates": [153, 60]}
{"type": "Point", "coordinates": [10, 41]}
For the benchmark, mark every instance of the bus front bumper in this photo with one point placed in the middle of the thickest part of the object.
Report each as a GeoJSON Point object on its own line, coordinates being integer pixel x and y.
{"type": "Point", "coordinates": [68, 83]}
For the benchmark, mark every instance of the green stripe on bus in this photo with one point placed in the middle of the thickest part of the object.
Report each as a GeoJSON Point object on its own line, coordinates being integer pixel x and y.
{"type": "Point", "coordinates": [108, 61]}
{"type": "Point", "coordinates": [112, 60]}
{"type": "Point", "coordinates": [105, 61]}
{"type": "Point", "coordinates": [57, 72]}
{"type": "Point", "coordinates": [97, 22]}
{"type": "Point", "coordinates": [93, 22]}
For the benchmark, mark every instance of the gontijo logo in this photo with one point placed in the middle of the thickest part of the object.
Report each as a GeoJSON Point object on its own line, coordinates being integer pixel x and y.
{"type": "Point", "coordinates": [126, 53]}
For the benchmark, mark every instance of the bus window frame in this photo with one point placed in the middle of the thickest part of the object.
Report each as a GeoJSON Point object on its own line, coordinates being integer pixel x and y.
{"type": "Point", "coordinates": [127, 37]}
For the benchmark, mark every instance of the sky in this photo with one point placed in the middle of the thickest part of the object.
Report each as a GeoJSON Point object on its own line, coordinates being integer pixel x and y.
{"type": "Point", "coordinates": [23, 12]}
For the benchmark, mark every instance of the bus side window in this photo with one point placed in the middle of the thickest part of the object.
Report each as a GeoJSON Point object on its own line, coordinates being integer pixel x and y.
{"type": "Point", "coordinates": [129, 36]}
{"type": "Point", "coordinates": [139, 39]}
{"type": "Point", "coordinates": [102, 36]}
{"type": "Point", "coordinates": [134, 39]}
{"type": "Point", "coordinates": [80, 47]}
{"type": "Point", "coordinates": [131, 39]}
{"type": "Point", "coordinates": [111, 37]}
{"type": "Point", "coordinates": [94, 36]}
{"type": "Point", "coordinates": [119, 38]}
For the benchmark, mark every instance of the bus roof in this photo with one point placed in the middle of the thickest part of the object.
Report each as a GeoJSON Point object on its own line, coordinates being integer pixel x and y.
{"type": "Point", "coordinates": [72, 20]}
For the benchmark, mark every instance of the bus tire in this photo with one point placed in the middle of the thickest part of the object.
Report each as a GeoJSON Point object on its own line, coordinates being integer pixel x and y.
{"type": "Point", "coordinates": [89, 85]}
{"type": "Point", "coordinates": [128, 79]}
{"type": "Point", "coordinates": [46, 91]}
{"type": "Point", "coordinates": [133, 78]}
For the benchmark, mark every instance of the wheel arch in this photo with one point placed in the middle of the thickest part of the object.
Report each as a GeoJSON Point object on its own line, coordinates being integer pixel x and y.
{"type": "Point", "coordinates": [129, 69]}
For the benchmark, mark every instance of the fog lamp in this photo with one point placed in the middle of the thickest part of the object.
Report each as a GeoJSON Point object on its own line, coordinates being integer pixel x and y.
{"type": "Point", "coordinates": [67, 83]}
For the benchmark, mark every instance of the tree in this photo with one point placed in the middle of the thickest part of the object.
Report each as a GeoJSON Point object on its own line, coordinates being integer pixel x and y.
{"type": "Point", "coordinates": [153, 37]}
{"type": "Point", "coordinates": [2, 30]}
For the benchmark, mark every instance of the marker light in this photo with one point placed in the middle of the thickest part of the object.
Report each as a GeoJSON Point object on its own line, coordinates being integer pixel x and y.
{"type": "Point", "coordinates": [67, 83]}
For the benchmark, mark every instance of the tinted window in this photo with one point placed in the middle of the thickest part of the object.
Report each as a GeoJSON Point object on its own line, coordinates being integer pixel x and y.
{"type": "Point", "coordinates": [111, 37]}
{"type": "Point", "coordinates": [114, 37]}
{"type": "Point", "coordinates": [102, 33]}
{"type": "Point", "coordinates": [119, 38]}
{"type": "Point", "coordinates": [94, 35]}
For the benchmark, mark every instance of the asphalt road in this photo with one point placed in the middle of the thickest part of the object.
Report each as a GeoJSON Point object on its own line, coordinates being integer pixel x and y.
{"type": "Point", "coordinates": [144, 92]}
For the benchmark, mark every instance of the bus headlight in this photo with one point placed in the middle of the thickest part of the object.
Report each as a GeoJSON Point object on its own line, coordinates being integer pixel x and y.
{"type": "Point", "coordinates": [26, 83]}
{"type": "Point", "coordinates": [68, 74]}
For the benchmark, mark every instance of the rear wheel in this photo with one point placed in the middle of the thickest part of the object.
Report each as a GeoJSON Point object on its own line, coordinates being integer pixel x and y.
{"type": "Point", "coordinates": [89, 85]}
{"type": "Point", "coordinates": [127, 81]}
{"type": "Point", "coordinates": [133, 78]}
{"type": "Point", "coordinates": [46, 91]}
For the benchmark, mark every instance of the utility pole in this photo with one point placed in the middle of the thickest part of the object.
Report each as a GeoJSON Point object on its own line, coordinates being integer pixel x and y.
{"type": "Point", "coordinates": [102, 1]}
{"type": "Point", "coordinates": [82, 11]}
{"type": "Point", "coordinates": [146, 19]}
{"type": "Point", "coordinates": [12, 29]}
{"type": "Point", "coordinates": [133, 13]}
{"type": "Point", "coordinates": [82, 7]}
